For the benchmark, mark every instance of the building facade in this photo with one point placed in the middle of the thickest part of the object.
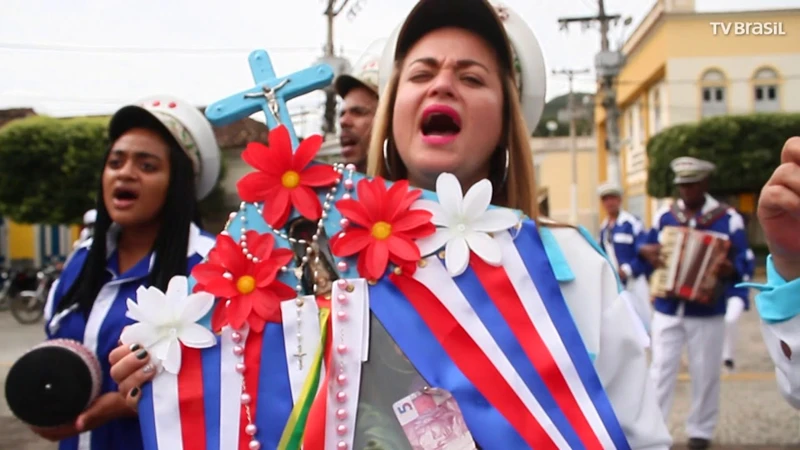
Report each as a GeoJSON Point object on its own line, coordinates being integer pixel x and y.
{"type": "Point", "coordinates": [553, 167]}
{"type": "Point", "coordinates": [682, 66]}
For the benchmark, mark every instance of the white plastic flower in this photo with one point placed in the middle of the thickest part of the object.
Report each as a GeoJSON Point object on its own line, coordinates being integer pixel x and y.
{"type": "Point", "coordinates": [464, 223]}
{"type": "Point", "coordinates": [164, 321]}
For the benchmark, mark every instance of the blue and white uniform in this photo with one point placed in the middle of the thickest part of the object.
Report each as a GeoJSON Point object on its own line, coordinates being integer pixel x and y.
{"type": "Point", "coordinates": [738, 301]}
{"type": "Point", "coordinates": [700, 327]}
{"type": "Point", "coordinates": [620, 241]}
{"type": "Point", "coordinates": [101, 330]}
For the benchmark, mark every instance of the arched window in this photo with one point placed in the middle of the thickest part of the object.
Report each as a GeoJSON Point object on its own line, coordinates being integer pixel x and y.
{"type": "Point", "coordinates": [713, 91]}
{"type": "Point", "coordinates": [765, 90]}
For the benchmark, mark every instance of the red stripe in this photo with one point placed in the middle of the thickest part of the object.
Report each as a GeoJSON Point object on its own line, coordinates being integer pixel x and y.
{"type": "Point", "coordinates": [252, 361]}
{"type": "Point", "coordinates": [314, 434]}
{"type": "Point", "coordinates": [190, 398]}
{"type": "Point", "coordinates": [498, 286]}
{"type": "Point", "coordinates": [472, 362]}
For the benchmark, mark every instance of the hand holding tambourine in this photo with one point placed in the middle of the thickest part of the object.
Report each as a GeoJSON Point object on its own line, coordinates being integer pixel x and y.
{"type": "Point", "coordinates": [779, 211]}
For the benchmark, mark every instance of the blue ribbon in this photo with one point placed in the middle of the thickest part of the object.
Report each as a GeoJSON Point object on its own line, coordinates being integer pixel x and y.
{"type": "Point", "coordinates": [210, 362]}
{"type": "Point", "coordinates": [778, 300]}
{"type": "Point", "coordinates": [488, 427]}
{"type": "Point", "coordinates": [147, 419]}
{"type": "Point", "coordinates": [533, 255]}
{"type": "Point", "coordinates": [274, 391]}
{"type": "Point", "coordinates": [557, 260]}
{"type": "Point", "coordinates": [484, 306]}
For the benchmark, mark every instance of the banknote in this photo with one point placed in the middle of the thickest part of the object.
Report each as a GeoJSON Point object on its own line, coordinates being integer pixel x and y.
{"type": "Point", "coordinates": [432, 420]}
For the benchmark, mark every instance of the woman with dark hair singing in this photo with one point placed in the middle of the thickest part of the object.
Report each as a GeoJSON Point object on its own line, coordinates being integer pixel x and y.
{"type": "Point", "coordinates": [162, 159]}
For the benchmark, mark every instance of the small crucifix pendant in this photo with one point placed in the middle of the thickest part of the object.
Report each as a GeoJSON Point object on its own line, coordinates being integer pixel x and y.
{"type": "Point", "coordinates": [299, 355]}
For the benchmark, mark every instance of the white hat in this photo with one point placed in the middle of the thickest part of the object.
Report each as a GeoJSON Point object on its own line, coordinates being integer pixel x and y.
{"type": "Point", "coordinates": [187, 125]}
{"type": "Point", "coordinates": [90, 217]}
{"type": "Point", "coordinates": [609, 188]}
{"type": "Point", "coordinates": [366, 76]}
{"type": "Point", "coordinates": [690, 170]}
{"type": "Point", "coordinates": [506, 31]}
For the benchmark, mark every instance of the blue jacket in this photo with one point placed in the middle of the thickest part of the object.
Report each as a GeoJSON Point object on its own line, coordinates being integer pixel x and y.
{"type": "Point", "coordinates": [731, 224]}
{"type": "Point", "coordinates": [624, 237]}
{"type": "Point", "coordinates": [101, 330]}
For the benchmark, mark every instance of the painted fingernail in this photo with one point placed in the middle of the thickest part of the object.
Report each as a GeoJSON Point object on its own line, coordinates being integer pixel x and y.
{"type": "Point", "coordinates": [148, 368]}
{"type": "Point", "coordinates": [142, 353]}
{"type": "Point", "coordinates": [135, 347]}
{"type": "Point", "coordinates": [134, 392]}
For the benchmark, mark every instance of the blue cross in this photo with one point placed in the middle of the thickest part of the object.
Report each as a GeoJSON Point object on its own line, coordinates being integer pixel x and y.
{"type": "Point", "coordinates": [270, 94]}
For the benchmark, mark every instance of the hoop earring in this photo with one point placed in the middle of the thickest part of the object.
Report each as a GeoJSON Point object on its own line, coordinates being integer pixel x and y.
{"type": "Point", "coordinates": [386, 156]}
{"type": "Point", "coordinates": [505, 169]}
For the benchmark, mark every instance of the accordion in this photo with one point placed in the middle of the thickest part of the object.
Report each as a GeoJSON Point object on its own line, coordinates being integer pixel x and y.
{"type": "Point", "coordinates": [691, 261]}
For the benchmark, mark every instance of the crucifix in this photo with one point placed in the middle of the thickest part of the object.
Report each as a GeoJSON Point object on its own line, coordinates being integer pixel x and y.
{"type": "Point", "coordinates": [270, 94]}
{"type": "Point", "coordinates": [299, 355]}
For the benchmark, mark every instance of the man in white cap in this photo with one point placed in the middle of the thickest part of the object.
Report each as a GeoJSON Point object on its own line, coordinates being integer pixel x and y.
{"type": "Point", "coordinates": [89, 218]}
{"type": "Point", "coordinates": [359, 93]}
{"type": "Point", "coordinates": [701, 327]}
{"type": "Point", "coordinates": [620, 235]}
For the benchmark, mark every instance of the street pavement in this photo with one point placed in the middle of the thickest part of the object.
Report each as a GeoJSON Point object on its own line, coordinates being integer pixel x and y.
{"type": "Point", "coordinates": [753, 415]}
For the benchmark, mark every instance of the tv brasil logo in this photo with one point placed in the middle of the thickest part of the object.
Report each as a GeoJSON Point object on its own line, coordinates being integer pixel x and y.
{"type": "Point", "coordinates": [747, 28]}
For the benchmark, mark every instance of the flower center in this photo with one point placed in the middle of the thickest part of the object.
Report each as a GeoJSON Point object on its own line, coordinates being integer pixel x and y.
{"type": "Point", "coordinates": [246, 284]}
{"type": "Point", "coordinates": [381, 230]}
{"type": "Point", "coordinates": [290, 179]}
{"type": "Point", "coordinates": [461, 228]}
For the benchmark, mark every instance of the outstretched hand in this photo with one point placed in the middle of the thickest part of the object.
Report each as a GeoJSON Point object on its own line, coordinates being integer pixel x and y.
{"type": "Point", "coordinates": [779, 212]}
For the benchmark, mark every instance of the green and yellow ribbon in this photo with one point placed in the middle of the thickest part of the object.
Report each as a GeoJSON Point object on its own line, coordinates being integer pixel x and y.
{"type": "Point", "coordinates": [292, 436]}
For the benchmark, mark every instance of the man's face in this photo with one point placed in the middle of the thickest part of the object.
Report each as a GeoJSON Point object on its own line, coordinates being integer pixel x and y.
{"type": "Point", "coordinates": [611, 204]}
{"type": "Point", "coordinates": [355, 120]}
{"type": "Point", "coordinates": [693, 194]}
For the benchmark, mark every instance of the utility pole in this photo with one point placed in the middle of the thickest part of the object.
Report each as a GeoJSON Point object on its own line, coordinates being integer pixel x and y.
{"type": "Point", "coordinates": [573, 147]}
{"type": "Point", "coordinates": [607, 65]}
{"type": "Point", "coordinates": [333, 9]}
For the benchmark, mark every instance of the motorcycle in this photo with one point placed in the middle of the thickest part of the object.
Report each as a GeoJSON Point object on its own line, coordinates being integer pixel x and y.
{"type": "Point", "coordinates": [28, 306]}
{"type": "Point", "coordinates": [12, 282]}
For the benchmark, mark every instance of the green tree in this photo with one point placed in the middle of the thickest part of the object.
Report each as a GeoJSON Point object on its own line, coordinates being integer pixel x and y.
{"type": "Point", "coordinates": [746, 150]}
{"type": "Point", "coordinates": [49, 168]}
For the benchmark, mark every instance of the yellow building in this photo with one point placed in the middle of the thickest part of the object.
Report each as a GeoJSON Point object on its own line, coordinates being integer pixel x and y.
{"type": "Point", "coordinates": [682, 66]}
{"type": "Point", "coordinates": [31, 245]}
{"type": "Point", "coordinates": [553, 164]}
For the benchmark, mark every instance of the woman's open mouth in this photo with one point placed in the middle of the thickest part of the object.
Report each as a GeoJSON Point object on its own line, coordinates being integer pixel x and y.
{"type": "Point", "coordinates": [124, 198]}
{"type": "Point", "coordinates": [440, 125]}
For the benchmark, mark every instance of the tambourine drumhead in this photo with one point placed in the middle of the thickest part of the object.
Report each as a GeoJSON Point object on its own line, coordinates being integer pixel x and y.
{"type": "Point", "coordinates": [52, 384]}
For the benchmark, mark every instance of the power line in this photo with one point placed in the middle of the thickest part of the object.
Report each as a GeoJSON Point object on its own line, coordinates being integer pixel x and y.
{"type": "Point", "coordinates": [147, 50]}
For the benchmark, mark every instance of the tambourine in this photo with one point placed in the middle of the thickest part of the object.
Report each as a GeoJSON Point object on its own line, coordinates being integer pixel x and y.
{"type": "Point", "coordinates": [53, 383]}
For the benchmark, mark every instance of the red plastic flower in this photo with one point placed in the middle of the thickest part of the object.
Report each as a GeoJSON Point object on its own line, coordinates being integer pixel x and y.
{"type": "Point", "coordinates": [382, 227]}
{"type": "Point", "coordinates": [254, 292]}
{"type": "Point", "coordinates": [283, 179]}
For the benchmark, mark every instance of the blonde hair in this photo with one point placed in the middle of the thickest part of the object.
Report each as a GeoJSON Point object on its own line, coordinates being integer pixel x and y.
{"type": "Point", "coordinates": [519, 190]}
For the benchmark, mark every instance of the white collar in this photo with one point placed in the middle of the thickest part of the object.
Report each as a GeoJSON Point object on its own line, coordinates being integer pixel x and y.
{"type": "Point", "coordinates": [197, 242]}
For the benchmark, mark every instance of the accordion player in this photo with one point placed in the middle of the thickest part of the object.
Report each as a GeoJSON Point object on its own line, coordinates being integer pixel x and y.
{"type": "Point", "coordinates": [691, 261]}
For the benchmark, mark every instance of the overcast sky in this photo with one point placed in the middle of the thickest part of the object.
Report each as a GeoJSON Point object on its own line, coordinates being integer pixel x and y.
{"type": "Point", "coordinates": [80, 57]}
